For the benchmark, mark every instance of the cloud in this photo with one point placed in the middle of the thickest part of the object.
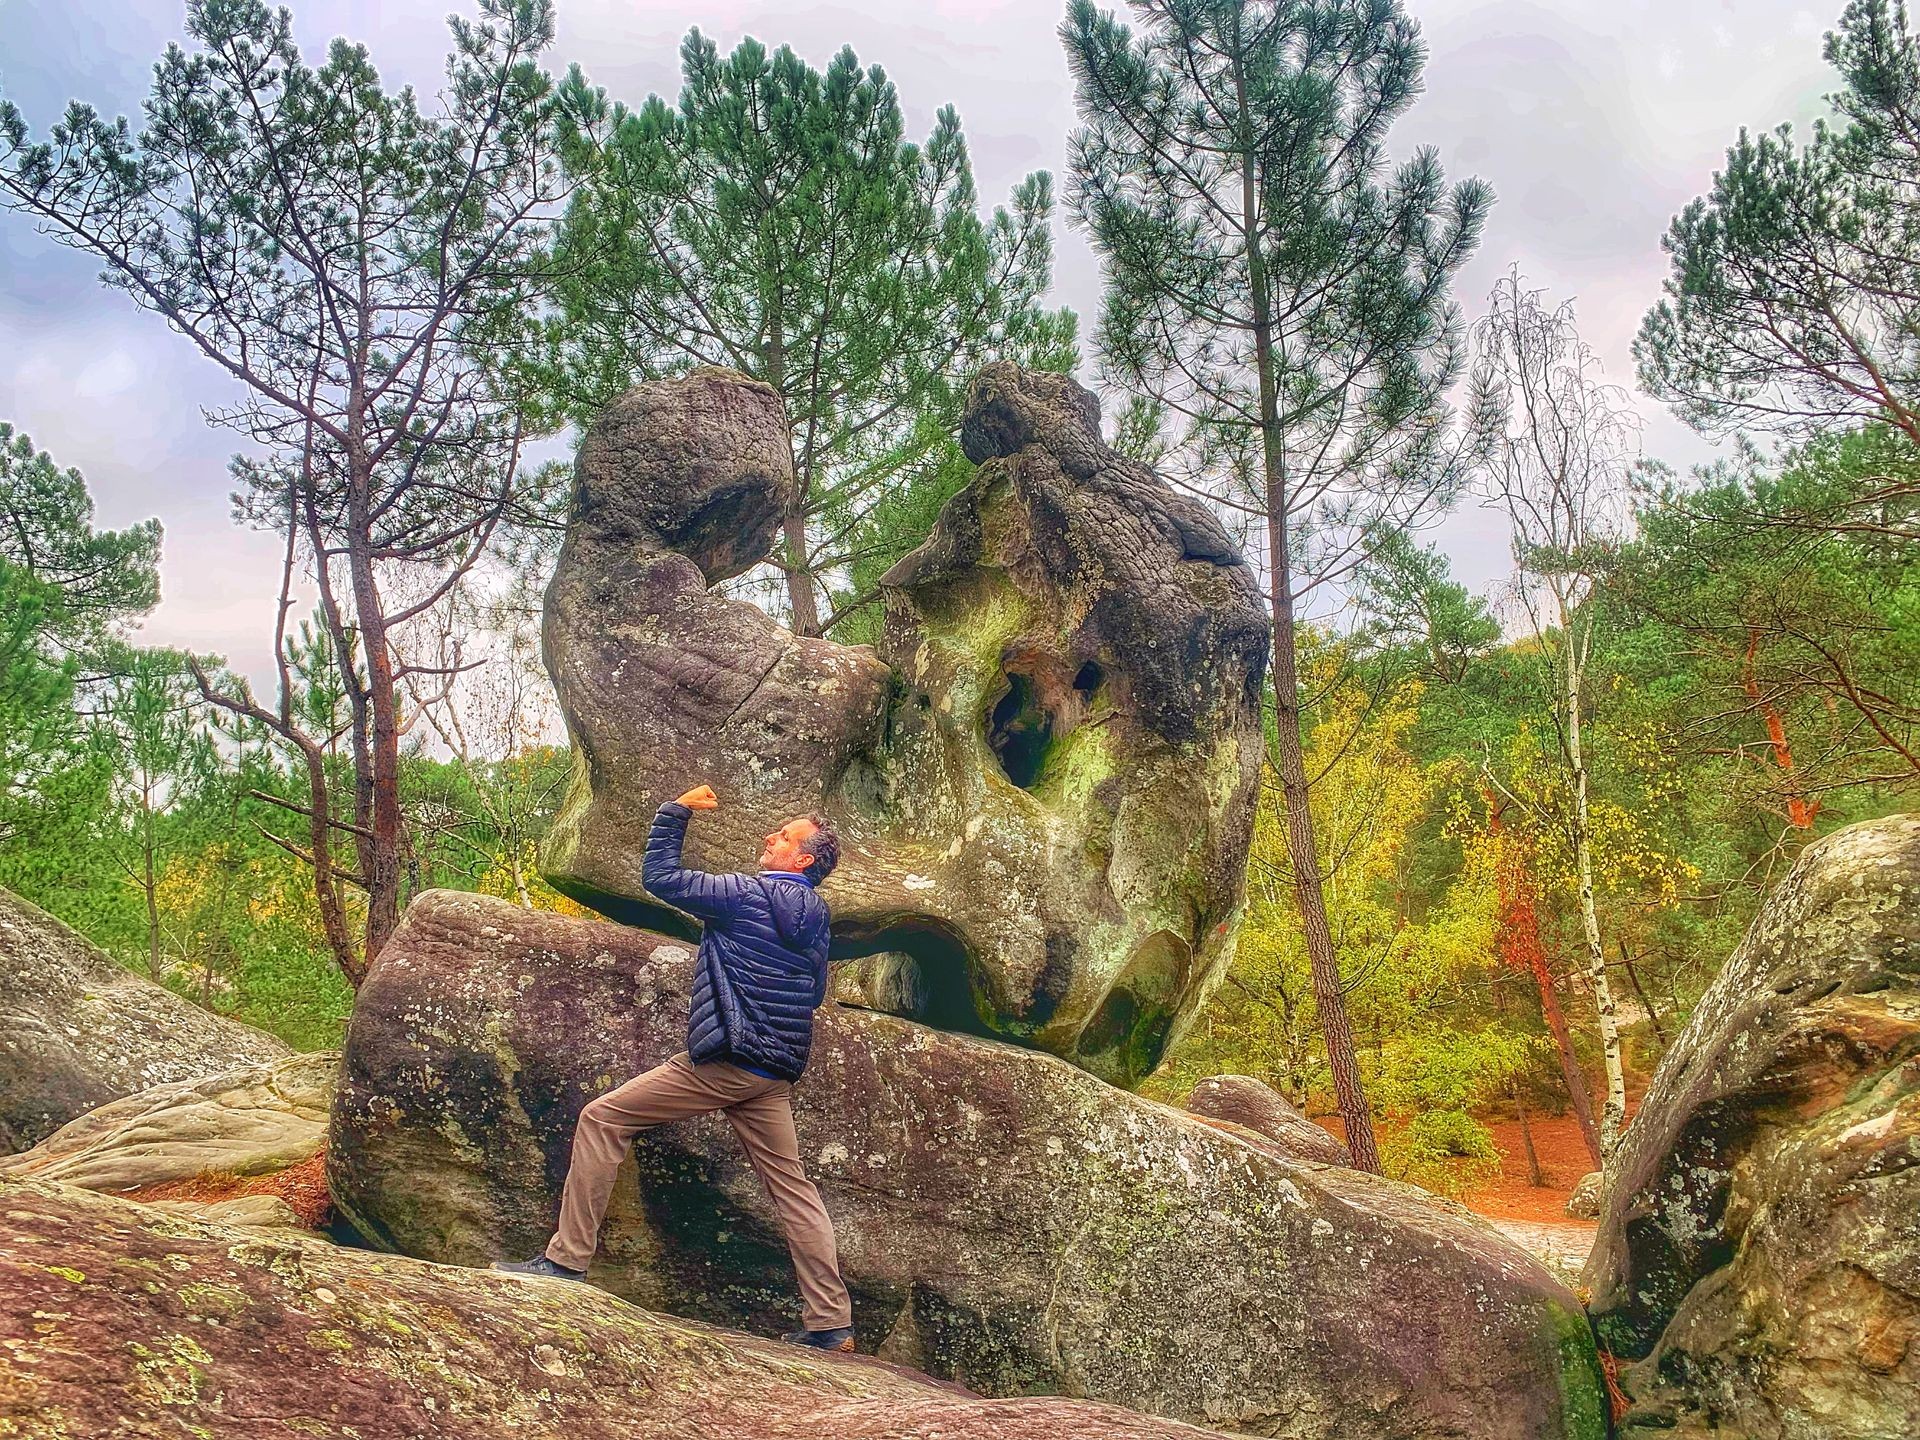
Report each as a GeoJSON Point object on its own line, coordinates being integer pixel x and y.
{"type": "Point", "coordinates": [1594, 123]}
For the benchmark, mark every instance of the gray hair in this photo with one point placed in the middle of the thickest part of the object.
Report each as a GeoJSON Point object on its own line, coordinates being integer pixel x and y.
{"type": "Point", "coordinates": [824, 846]}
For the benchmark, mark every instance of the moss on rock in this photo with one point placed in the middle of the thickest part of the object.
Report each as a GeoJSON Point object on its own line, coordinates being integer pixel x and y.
{"type": "Point", "coordinates": [1004, 1219]}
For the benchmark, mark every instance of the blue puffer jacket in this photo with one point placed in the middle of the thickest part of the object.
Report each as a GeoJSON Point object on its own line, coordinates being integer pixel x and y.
{"type": "Point", "coordinates": [762, 968]}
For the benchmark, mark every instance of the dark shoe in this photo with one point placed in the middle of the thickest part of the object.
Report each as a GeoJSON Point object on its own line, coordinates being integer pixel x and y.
{"type": "Point", "coordinates": [839, 1341]}
{"type": "Point", "coordinates": [542, 1266]}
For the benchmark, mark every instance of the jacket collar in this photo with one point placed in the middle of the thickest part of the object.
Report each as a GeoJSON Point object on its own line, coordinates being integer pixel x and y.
{"type": "Point", "coordinates": [787, 875]}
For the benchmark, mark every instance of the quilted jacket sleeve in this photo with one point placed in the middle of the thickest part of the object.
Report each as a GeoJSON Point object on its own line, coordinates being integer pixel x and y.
{"type": "Point", "coordinates": [708, 897]}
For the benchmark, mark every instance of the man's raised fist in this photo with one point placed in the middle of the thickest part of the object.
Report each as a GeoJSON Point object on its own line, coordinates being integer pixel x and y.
{"type": "Point", "coordinates": [701, 797]}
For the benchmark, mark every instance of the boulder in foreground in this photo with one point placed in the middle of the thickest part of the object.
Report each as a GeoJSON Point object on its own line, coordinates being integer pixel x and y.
{"type": "Point", "coordinates": [123, 1323]}
{"type": "Point", "coordinates": [1004, 1218]}
{"type": "Point", "coordinates": [78, 1029]}
{"type": "Point", "coordinates": [1759, 1242]}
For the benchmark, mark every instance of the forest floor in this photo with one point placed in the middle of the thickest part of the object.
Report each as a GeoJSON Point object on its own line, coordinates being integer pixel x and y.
{"type": "Point", "coordinates": [1511, 1194]}
{"type": "Point", "coordinates": [303, 1186]}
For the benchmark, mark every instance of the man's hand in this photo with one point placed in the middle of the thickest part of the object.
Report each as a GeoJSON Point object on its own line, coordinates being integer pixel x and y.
{"type": "Point", "coordinates": [701, 797]}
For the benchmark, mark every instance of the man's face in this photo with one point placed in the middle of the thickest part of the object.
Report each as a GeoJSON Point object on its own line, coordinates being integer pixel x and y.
{"type": "Point", "coordinates": [786, 848]}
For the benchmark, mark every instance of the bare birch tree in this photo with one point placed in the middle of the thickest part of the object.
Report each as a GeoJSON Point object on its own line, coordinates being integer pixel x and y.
{"type": "Point", "coordinates": [1560, 448]}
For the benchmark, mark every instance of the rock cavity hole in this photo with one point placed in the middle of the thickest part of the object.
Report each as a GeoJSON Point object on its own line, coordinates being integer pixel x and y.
{"type": "Point", "coordinates": [1019, 730]}
{"type": "Point", "coordinates": [917, 967]}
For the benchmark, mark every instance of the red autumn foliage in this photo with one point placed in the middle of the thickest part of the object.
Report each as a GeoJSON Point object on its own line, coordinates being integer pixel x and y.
{"type": "Point", "coordinates": [302, 1186]}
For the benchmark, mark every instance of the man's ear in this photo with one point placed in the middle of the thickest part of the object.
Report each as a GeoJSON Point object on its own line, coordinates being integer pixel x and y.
{"type": "Point", "coordinates": [806, 860]}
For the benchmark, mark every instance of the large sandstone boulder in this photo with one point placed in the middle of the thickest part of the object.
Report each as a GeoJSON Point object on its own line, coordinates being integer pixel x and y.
{"type": "Point", "coordinates": [251, 1121]}
{"type": "Point", "coordinates": [1759, 1245]}
{"type": "Point", "coordinates": [119, 1322]}
{"type": "Point", "coordinates": [1005, 1219]}
{"type": "Point", "coordinates": [78, 1030]}
{"type": "Point", "coordinates": [1255, 1105]}
{"type": "Point", "coordinates": [1044, 779]}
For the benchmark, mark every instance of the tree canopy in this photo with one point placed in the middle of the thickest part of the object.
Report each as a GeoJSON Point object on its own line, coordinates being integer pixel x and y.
{"type": "Point", "coordinates": [777, 221]}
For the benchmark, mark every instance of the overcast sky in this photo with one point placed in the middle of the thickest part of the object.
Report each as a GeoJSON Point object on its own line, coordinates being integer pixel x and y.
{"type": "Point", "coordinates": [1594, 120]}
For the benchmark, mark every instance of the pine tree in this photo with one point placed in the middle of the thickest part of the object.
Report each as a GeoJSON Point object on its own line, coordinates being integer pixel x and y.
{"type": "Point", "coordinates": [777, 222]}
{"type": "Point", "coordinates": [1283, 290]}
{"type": "Point", "coordinates": [1797, 277]}
{"type": "Point", "coordinates": [340, 250]}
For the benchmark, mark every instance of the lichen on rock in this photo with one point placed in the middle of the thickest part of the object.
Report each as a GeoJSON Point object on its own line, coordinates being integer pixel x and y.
{"type": "Point", "coordinates": [119, 1322]}
{"type": "Point", "coordinates": [1004, 1219]}
{"type": "Point", "coordinates": [1759, 1248]}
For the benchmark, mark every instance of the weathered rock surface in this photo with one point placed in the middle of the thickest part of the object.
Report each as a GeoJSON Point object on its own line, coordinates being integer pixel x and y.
{"type": "Point", "coordinates": [1043, 780]}
{"type": "Point", "coordinates": [1759, 1247]}
{"type": "Point", "coordinates": [118, 1322]}
{"type": "Point", "coordinates": [267, 1212]}
{"type": "Point", "coordinates": [1257, 1106]}
{"type": "Point", "coordinates": [1563, 1248]}
{"type": "Point", "coordinates": [78, 1030]}
{"type": "Point", "coordinates": [1584, 1202]}
{"type": "Point", "coordinates": [250, 1121]}
{"type": "Point", "coordinates": [1004, 1219]}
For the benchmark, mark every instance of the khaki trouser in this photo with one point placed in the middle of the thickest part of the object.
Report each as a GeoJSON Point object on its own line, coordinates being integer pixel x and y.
{"type": "Point", "coordinates": [761, 1112]}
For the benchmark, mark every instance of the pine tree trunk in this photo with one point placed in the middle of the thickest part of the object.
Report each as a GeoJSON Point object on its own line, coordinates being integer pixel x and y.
{"type": "Point", "coordinates": [1534, 1176]}
{"type": "Point", "coordinates": [1614, 1113]}
{"type": "Point", "coordinates": [326, 879]}
{"type": "Point", "coordinates": [153, 905]}
{"type": "Point", "coordinates": [1640, 991]}
{"type": "Point", "coordinates": [797, 566]}
{"type": "Point", "coordinates": [385, 843]}
{"type": "Point", "coordinates": [800, 597]}
{"type": "Point", "coordinates": [1571, 1074]}
{"type": "Point", "coordinates": [1303, 855]}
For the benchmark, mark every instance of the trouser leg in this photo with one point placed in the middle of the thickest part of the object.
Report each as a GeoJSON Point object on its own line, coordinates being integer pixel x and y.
{"type": "Point", "coordinates": [764, 1124]}
{"type": "Point", "coordinates": [606, 1128]}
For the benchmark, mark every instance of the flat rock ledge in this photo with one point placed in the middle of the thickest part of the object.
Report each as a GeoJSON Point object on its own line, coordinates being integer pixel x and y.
{"type": "Point", "coordinates": [119, 1322]}
{"type": "Point", "coordinates": [256, 1120]}
{"type": "Point", "coordinates": [78, 1029]}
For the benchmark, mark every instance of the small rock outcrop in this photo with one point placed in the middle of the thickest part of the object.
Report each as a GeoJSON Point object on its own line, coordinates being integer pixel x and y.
{"type": "Point", "coordinates": [120, 1322]}
{"type": "Point", "coordinates": [1758, 1253]}
{"type": "Point", "coordinates": [251, 1121]}
{"type": "Point", "coordinates": [1004, 1219]}
{"type": "Point", "coordinates": [78, 1030]}
{"type": "Point", "coordinates": [1255, 1105]}
{"type": "Point", "coordinates": [1584, 1202]}
{"type": "Point", "coordinates": [1044, 776]}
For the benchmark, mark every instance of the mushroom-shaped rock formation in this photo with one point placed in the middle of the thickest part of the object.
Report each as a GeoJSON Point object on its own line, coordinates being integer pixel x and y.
{"type": "Point", "coordinates": [1043, 780]}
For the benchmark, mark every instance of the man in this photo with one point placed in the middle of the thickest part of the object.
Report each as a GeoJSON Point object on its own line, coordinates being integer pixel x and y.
{"type": "Point", "coordinates": [760, 974]}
